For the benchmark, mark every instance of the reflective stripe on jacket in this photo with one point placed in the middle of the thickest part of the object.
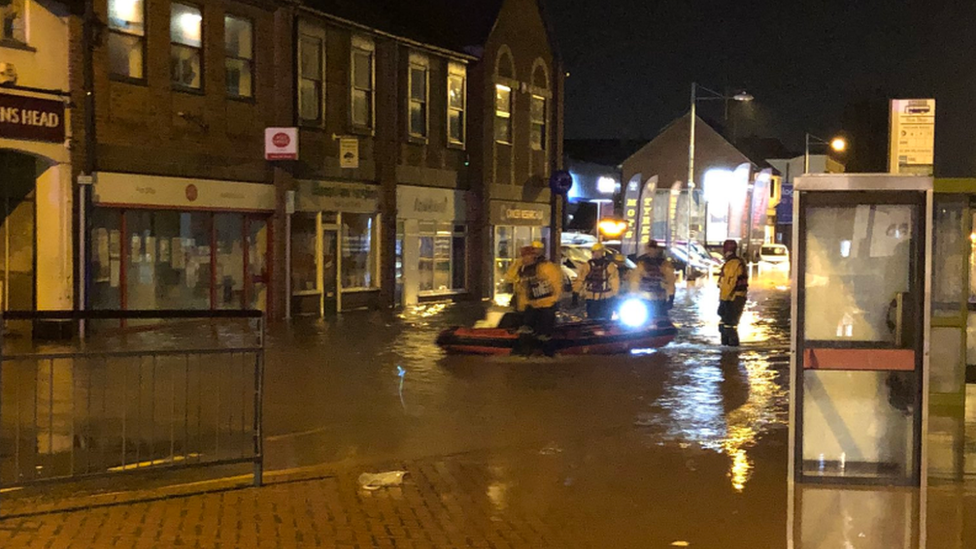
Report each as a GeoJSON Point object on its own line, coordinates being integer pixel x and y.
{"type": "Point", "coordinates": [598, 279]}
{"type": "Point", "coordinates": [654, 276]}
{"type": "Point", "coordinates": [539, 285]}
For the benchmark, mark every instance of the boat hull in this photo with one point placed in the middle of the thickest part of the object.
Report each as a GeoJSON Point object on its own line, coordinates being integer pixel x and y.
{"type": "Point", "coordinates": [576, 338]}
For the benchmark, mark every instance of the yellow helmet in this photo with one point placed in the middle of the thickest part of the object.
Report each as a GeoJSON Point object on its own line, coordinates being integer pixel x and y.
{"type": "Point", "coordinates": [537, 244]}
{"type": "Point", "coordinates": [598, 247]}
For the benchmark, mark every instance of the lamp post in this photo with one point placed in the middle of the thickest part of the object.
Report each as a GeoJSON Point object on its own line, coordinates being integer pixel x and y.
{"type": "Point", "coordinates": [742, 96]}
{"type": "Point", "coordinates": [838, 144]}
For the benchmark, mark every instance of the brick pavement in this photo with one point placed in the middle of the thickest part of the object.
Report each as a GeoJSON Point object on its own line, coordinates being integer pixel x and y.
{"type": "Point", "coordinates": [442, 503]}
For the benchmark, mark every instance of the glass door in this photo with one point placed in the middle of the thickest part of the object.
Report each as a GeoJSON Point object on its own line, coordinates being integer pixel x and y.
{"type": "Point", "coordinates": [859, 338]}
{"type": "Point", "coordinates": [330, 251]}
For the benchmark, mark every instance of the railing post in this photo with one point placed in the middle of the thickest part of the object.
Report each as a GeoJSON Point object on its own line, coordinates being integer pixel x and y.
{"type": "Point", "coordinates": [258, 411]}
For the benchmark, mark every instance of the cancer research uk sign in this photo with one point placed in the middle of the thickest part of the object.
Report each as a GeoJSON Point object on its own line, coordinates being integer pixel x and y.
{"type": "Point", "coordinates": [281, 143]}
{"type": "Point", "coordinates": [31, 118]}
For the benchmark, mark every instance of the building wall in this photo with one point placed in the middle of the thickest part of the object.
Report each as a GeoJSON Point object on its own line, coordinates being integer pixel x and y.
{"type": "Point", "coordinates": [42, 63]}
{"type": "Point", "coordinates": [515, 171]}
{"type": "Point", "coordinates": [147, 126]}
{"type": "Point", "coordinates": [666, 156]}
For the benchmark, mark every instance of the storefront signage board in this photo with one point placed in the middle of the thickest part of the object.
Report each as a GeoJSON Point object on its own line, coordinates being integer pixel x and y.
{"type": "Point", "coordinates": [335, 196]}
{"type": "Point", "coordinates": [519, 213]}
{"type": "Point", "coordinates": [431, 204]}
{"type": "Point", "coordinates": [133, 190]}
{"type": "Point", "coordinates": [31, 119]}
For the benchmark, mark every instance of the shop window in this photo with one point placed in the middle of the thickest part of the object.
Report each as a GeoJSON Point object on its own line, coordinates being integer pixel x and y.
{"type": "Point", "coordinates": [256, 281]}
{"type": "Point", "coordinates": [14, 27]}
{"type": "Point", "coordinates": [229, 261]}
{"type": "Point", "coordinates": [509, 242]}
{"type": "Point", "coordinates": [418, 100]}
{"type": "Point", "coordinates": [106, 259]}
{"type": "Point", "coordinates": [456, 104]}
{"type": "Point", "coordinates": [362, 83]}
{"type": "Point", "coordinates": [126, 38]}
{"type": "Point", "coordinates": [186, 43]}
{"type": "Point", "coordinates": [359, 251]}
{"type": "Point", "coordinates": [239, 51]}
{"type": "Point", "coordinates": [538, 116]}
{"type": "Point", "coordinates": [311, 79]}
{"type": "Point", "coordinates": [167, 260]}
{"type": "Point", "coordinates": [304, 269]}
{"type": "Point", "coordinates": [503, 114]}
{"type": "Point", "coordinates": [441, 257]}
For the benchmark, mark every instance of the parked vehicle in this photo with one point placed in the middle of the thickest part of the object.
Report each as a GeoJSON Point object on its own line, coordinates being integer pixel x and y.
{"type": "Point", "coordinates": [776, 255]}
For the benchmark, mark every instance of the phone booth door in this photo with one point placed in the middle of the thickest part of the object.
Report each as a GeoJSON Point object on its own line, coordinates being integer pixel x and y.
{"type": "Point", "coordinates": [859, 306]}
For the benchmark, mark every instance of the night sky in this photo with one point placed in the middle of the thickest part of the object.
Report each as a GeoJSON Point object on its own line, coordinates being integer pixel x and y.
{"type": "Point", "coordinates": [631, 64]}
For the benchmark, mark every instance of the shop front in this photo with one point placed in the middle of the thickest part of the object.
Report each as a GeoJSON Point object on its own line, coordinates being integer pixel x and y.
{"type": "Point", "coordinates": [335, 248]}
{"type": "Point", "coordinates": [514, 225]}
{"type": "Point", "coordinates": [174, 243]}
{"type": "Point", "coordinates": [36, 203]}
{"type": "Point", "coordinates": [432, 247]}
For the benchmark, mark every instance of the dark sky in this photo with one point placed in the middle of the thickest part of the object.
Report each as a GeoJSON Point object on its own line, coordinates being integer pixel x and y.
{"type": "Point", "coordinates": [631, 64]}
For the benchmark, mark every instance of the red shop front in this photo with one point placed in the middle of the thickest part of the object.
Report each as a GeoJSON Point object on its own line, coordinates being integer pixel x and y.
{"type": "Point", "coordinates": [174, 243]}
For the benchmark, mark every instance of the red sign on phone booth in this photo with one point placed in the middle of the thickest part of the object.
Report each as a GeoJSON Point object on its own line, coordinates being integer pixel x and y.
{"type": "Point", "coordinates": [281, 144]}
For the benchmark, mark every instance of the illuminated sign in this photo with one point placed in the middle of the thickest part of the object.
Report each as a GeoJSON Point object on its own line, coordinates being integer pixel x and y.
{"type": "Point", "coordinates": [631, 205]}
{"type": "Point", "coordinates": [606, 185]}
{"type": "Point", "coordinates": [911, 147]}
{"type": "Point", "coordinates": [31, 118]}
{"type": "Point", "coordinates": [647, 210]}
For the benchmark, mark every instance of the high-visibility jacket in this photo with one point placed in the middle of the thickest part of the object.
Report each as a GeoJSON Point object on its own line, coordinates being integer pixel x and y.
{"type": "Point", "coordinates": [538, 285]}
{"type": "Point", "coordinates": [654, 277]}
{"type": "Point", "coordinates": [733, 279]}
{"type": "Point", "coordinates": [598, 279]}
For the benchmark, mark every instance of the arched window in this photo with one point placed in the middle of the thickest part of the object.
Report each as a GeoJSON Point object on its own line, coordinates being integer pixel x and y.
{"type": "Point", "coordinates": [539, 108]}
{"type": "Point", "coordinates": [504, 98]}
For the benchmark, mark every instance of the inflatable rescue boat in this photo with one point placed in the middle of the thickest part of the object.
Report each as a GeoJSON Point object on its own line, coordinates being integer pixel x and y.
{"type": "Point", "coordinates": [574, 338]}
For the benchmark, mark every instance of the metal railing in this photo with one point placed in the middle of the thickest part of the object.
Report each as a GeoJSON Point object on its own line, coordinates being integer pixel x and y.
{"type": "Point", "coordinates": [144, 390]}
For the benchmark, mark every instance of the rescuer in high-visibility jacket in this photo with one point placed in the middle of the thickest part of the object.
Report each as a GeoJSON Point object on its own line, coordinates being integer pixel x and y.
{"type": "Point", "coordinates": [538, 287]}
{"type": "Point", "coordinates": [733, 284]}
{"type": "Point", "coordinates": [598, 282]}
{"type": "Point", "coordinates": [654, 278]}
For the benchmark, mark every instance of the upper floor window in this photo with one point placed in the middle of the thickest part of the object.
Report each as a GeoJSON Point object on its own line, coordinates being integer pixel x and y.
{"type": "Point", "coordinates": [418, 80]}
{"type": "Point", "coordinates": [311, 75]}
{"type": "Point", "coordinates": [362, 82]}
{"type": "Point", "coordinates": [239, 51]}
{"type": "Point", "coordinates": [14, 27]}
{"type": "Point", "coordinates": [186, 43]}
{"type": "Point", "coordinates": [537, 114]}
{"type": "Point", "coordinates": [503, 114]}
{"type": "Point", "coordinates": [456, 104]}
{"type": "Point", "coordinates": [126, 38]}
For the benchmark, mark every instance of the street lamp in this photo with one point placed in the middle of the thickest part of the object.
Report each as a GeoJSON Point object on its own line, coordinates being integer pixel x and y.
{"type": "Point", "coordinates": [838, 144]}
{"type": "Point", "coordinates": [741, 96]}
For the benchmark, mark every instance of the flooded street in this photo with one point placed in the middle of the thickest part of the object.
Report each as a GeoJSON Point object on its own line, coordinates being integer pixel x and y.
{"type": "Point", "coordinates": [692, 435]}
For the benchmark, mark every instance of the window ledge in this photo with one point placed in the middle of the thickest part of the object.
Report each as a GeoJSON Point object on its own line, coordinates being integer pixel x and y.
{"type": "Point", "coordinates": [361, 130]}
{"type": "Point", "coordinates": [416, 140]}
{"type": "Point", "coordinates": [359, 290]}
{"type": "Point", "coordinates": [16, 45]}
{"type": "Point", "coordinates": [128, 80]}
{"type": "Point", "coordinates": [243, 99]}
{"type": "Point", "coordinates": [187, 90]}
{"type": "Point", "coordinates": [456, 146]}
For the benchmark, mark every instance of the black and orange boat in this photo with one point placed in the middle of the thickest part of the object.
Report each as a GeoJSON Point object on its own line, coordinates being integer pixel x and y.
{"type": "Point", "coordinates": [573, 338]}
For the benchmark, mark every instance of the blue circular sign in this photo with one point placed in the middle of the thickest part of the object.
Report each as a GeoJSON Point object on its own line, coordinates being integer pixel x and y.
{"type": "Point", "coordinates": [560, 182]}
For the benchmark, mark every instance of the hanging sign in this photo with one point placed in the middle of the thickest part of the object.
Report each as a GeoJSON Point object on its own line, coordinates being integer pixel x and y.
{"type": "Point", "coordinates": [349, 152]}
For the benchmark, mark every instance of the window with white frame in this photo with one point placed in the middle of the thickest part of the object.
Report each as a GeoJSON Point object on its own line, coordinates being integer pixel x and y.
{"type": "Point", "coordinates": [239, 51]}
{"type": "Point", "coordinates": [503, 114]}
{"type": "Point", "coordinates": [186, 44]}
{"type": "Point", "coordinates": [359, 251]}
{"type": "Point", "coordinates": [417, 83]}
{"type": "Point", "coordinates": [456, 104]}
{"type": "Point", "coordinates": [126, 38]}
{"type": "Point", "coordinates": [442, 266]}
{"type": "Point", "coordinates": [537, 114]}
{"type": "Point", "coordinates": [363, 74]}
{"type": "Point", "coordinates": [14, 22]}
{"type": "Point", "coordinates": [311, 75]}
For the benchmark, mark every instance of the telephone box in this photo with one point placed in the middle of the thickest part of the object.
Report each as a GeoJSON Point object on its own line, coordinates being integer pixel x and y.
{"type": "Point", "coordinates": [860, 327]}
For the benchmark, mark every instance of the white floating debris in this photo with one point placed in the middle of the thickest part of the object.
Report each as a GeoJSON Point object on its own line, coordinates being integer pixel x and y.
{"type": "Point", "coordinates": [375, 481]}
{"type": "Point", "coordinates": [680, 543]}
{"type": "Point", "coordinates": [550, 450]}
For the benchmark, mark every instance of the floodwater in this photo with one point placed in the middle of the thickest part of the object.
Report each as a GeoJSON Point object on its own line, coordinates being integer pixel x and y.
{"type": "Point", "coordinates": [683, 444]}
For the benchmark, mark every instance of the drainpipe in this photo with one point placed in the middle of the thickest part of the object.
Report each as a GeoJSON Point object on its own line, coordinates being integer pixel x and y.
{"type": "Point", "coordinates": [88, 88]}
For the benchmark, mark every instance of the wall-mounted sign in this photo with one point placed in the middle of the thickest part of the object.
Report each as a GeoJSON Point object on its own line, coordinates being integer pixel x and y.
{"type": "Point", "coordinates": [335, 196]}
{"type": "Point", "coordinates": [519, 213]}
{"type": "Point", "coordinates": [426, 203]}
{"type": "Point", "coordinates": [31, 118]}
{"type": "Point", "coordinates": [133, 190]}
{"type": "Point", "coordinates": [281, 143]}
{"type": "Point", "coordinates": [348, 152]}
{"type": "Point", "coordinates": [911, 147]}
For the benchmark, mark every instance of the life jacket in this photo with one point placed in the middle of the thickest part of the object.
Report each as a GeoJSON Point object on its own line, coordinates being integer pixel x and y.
{"type": "Point", "coordinates": [652, 276]}
{"type": "Point", "coordinates": [741, 285]}
{"type": "Point", "coordinates": [598, 279]}
{"type": "Point", "coordinates": [537, 287]}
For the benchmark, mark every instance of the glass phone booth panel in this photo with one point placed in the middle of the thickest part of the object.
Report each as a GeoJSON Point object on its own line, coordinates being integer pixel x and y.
{"type": "Point", "coordinates": [859, 336]}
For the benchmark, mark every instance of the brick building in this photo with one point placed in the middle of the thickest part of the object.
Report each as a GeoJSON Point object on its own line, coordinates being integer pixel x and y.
{"type": "Point", "coordinates": [426, 134]}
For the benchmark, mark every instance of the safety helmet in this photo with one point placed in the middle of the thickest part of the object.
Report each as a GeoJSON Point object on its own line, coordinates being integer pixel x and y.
{"type": "Point", "coordinates": [729, 246]}
{"type": "Point", "coordinates": [652, 243]}
{"type": "Point", "coordinates": [538, 245]}
{"type": "Point", "coordinates": [598, 247]}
